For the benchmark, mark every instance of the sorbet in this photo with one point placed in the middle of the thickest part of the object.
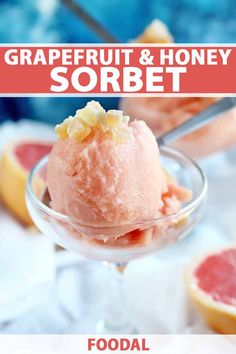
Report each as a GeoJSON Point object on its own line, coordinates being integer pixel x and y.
{"type": "Point", "coordinates": [105, 172]}
{"type": "Point", "coordinates": [163, 114]}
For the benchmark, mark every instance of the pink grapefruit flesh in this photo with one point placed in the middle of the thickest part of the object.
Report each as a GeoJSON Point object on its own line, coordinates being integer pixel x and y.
{"type": "Point", "coordinates": [29, 153]}
{"type": "Point", "coordinates": [16, 162]}
{"type": "Point", "coordinates": [216, 276]}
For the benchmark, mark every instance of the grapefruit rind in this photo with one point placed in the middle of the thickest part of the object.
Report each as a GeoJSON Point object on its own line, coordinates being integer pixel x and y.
{"type": "Point", "coordinates": [13, 179]}
{"type": "Point", "coordinates": [219, 316]}
{"type": "Point", "coordinates": [12, 185]}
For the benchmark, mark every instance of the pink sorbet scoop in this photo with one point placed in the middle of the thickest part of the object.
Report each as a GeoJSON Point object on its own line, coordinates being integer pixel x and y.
{"type": "Point", "coordinates": [110, 176]}
{"type": "Point", "coordinates": [103, 171]}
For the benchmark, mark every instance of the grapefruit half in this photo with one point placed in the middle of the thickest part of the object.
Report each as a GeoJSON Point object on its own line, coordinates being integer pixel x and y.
{"type": "Point", "coordinates": [16, 162]}
{"type": "Point", "coordinates": [211, 282]}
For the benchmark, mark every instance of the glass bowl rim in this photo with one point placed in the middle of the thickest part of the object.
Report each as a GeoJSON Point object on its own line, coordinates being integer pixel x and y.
{"type": "Point", "coordinates": [192, 205]}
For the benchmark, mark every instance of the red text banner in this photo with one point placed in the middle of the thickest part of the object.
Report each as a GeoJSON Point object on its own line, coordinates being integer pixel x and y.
{"type": "Point", "coordinates": [133, 70]}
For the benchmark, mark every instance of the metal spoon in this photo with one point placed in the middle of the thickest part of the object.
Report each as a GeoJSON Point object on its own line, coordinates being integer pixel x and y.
{"type": "Point", "coordinates": [90, 21]}
{"type": "Point", "coordinates": [198, 121]}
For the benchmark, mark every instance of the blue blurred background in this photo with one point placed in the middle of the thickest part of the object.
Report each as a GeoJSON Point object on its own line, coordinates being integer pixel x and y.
{"type": "Point", "coordinates": [44, 21]}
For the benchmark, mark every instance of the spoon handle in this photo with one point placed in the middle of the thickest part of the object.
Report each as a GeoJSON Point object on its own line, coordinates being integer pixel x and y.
{"type": "Point", "coordinates": [198, 121]}
{"type": "Point", "coordinates": [90, 21]}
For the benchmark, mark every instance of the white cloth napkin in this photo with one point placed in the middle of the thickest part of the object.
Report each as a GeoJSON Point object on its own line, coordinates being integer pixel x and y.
{"type": "Point", "coordinates": [26, 268]}
{"type": "Point", "coordinates": [154, 288]}
{"type": "Point", "coordinates": [27, 265]}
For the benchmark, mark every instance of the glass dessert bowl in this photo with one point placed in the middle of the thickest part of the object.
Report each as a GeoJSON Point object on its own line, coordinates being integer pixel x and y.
{"type": "Point", "coordinates": [139, 239]}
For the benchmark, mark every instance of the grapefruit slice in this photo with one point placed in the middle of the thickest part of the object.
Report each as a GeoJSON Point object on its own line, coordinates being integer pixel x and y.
{"type": "Point", "coordinates": [16, 162]}
{"type": "Point", "coordinates": [211, 282]}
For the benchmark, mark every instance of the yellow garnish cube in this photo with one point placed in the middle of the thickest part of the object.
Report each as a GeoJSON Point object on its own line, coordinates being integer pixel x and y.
{"type": "Point", "coordinates": [82, 134]}
{"type": "Point", "coordinates": [91, 113]}
{"type": "Point", "coordinates": [125, 120]}
{"type": "Point", "coordinates": [87, 117]}
{"type": "Point", "coordinates": [78, 130]}
{"type": "Point", "coordinates": [61, 129]}
{"type": "Point", "coordinates": [114, 118]}
{"type": "Point", "coordinates": [93, 118]}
